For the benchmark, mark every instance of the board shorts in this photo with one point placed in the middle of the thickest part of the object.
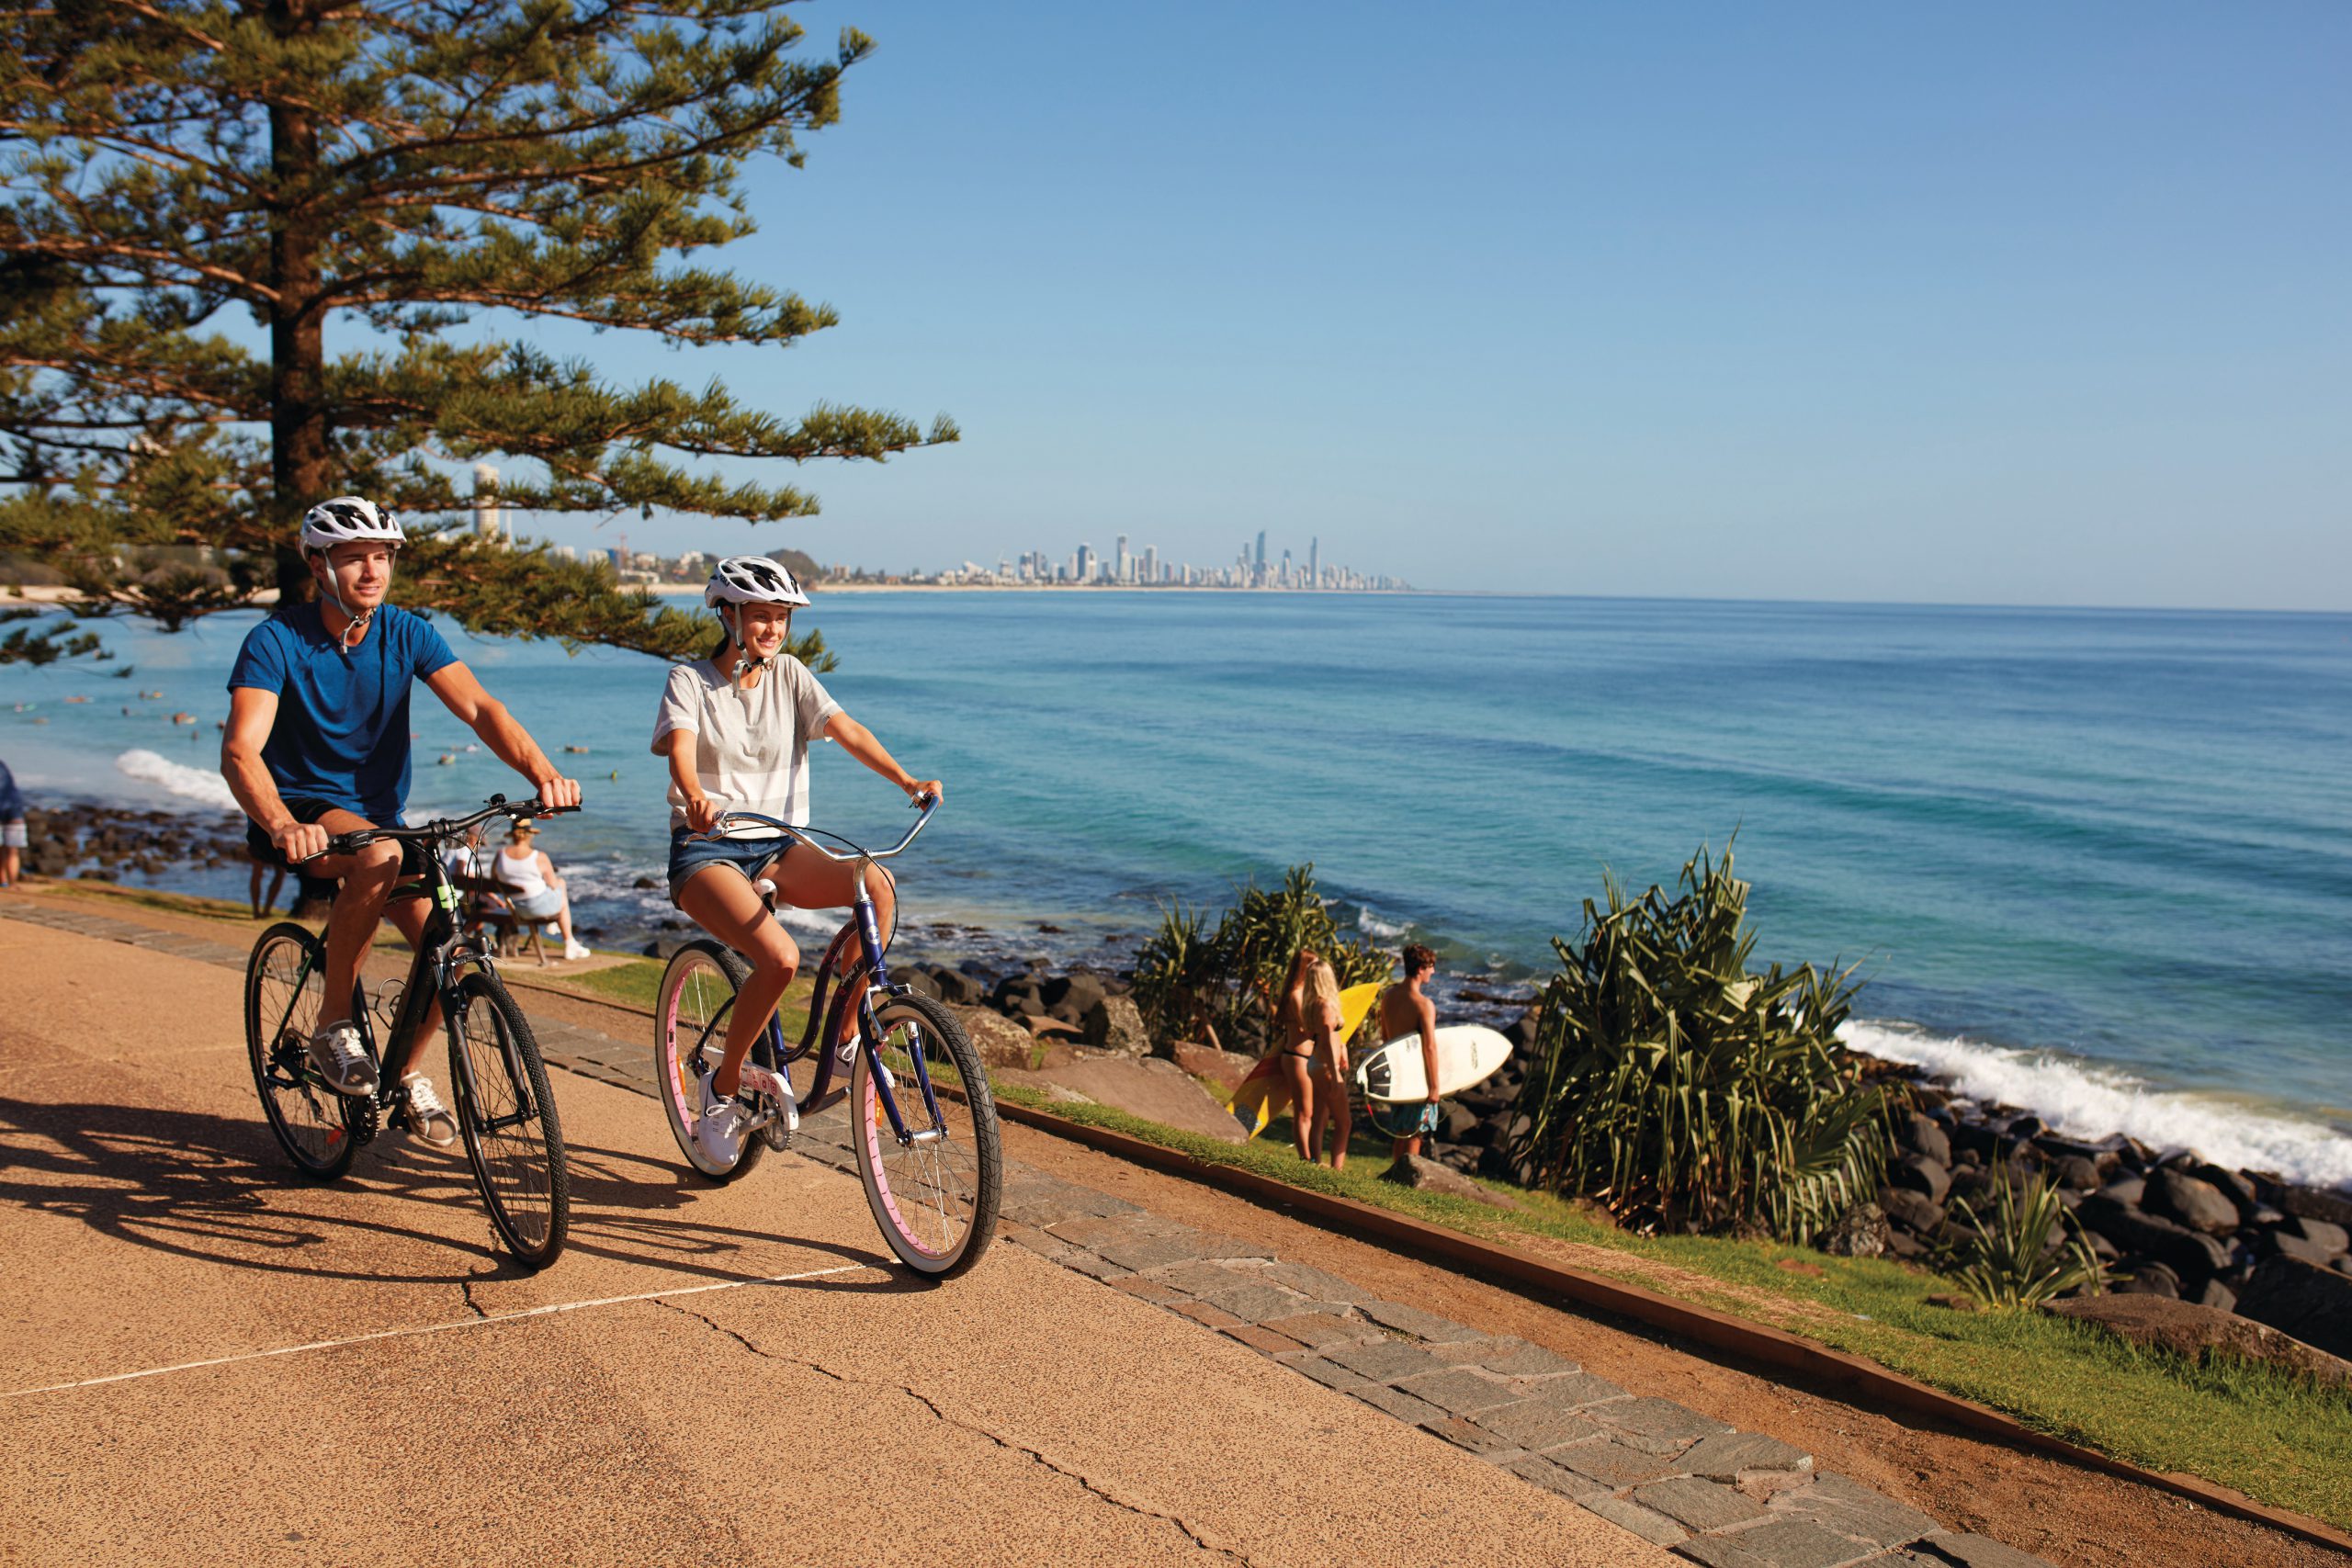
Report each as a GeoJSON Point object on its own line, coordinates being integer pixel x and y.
{"type": "Point", "coordinates": [12, 835]}
{"type": "Point", "coordinates": [1407, 1119]}
{"type": "Point", "coordinates": [746, 857]}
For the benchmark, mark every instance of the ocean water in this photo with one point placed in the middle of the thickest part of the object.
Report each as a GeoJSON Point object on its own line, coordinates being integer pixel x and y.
{"type": "Point", "coordinates": [2098, 862]}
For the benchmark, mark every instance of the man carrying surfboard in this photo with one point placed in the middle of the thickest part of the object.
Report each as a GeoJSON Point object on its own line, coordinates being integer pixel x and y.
{"type": "Point", "coordinates": [1405, 1012]}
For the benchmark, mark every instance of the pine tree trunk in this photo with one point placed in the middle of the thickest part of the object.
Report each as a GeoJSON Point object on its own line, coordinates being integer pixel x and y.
{"type": "Point", "coordinates": [300, 468]}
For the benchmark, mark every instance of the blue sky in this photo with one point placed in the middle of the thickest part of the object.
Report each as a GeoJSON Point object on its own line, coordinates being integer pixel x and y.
{"type": "Point", "coordinates": [2031, 305]}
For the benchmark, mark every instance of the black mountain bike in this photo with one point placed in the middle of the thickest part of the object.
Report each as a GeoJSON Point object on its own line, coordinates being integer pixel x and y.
{"type": "Point", "coordinates": [498, 1084]}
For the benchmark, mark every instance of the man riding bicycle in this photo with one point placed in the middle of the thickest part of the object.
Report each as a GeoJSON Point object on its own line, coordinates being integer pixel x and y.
{"type": "Point", "coordinates": [318, 745]}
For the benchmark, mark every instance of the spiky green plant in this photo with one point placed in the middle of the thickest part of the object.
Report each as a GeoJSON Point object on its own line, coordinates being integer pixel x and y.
{"type": "Point", "coordinates": [1177, 976]}
{"type": "Point", "coordinates": [1684, 1091]}
{"type": "Point", "coordinates": [2004, 1255]}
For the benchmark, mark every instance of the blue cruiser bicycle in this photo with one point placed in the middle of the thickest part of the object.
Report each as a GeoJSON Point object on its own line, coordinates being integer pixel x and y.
{"type": "Point", "coordinates": [922, 1121]}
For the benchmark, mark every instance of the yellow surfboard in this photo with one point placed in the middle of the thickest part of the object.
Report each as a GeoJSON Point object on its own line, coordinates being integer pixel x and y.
{"type": "Point", "coordinates": [1265, 1093]}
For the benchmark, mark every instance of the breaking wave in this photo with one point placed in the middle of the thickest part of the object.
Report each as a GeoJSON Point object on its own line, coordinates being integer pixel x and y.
{"type": "Point", "coordinates": [202, 784]}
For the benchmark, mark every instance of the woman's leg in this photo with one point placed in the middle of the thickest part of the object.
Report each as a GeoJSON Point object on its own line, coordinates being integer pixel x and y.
{"type": "Point", "coordinates": [1331, 1100]}
{"type": "Point", "coordinates": [719, 899]}
{"type": "Point", "coordinates": [1302, 1106]}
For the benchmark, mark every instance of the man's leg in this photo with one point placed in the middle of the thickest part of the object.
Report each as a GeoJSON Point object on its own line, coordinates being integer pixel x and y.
{"type": "Point", "coordinates": [408, 917]}
{"type": "Point", "coordinates": [368, 878]}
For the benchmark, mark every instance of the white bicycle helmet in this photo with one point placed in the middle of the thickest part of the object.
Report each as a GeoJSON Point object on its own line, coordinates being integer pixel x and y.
{"type": "Point", "coordinates": [347, 518]}
{"type": "Point", "coordinates": [752, 580]}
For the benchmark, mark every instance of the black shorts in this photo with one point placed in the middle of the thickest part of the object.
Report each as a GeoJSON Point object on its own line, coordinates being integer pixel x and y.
{"type": "Point", "coordinates": [263, 848]}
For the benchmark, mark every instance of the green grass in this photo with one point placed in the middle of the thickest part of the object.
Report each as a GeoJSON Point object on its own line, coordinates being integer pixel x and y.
{"type": "Point", "coordinates": [2271, 1436]}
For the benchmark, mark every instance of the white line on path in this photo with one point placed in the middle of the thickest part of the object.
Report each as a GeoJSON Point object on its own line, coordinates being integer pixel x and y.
{"type": "Point", "coordinates": [433, 1328]}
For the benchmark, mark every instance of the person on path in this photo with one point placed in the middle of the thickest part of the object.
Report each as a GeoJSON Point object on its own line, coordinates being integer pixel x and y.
{"type": "Point", "coordinates": [13, 839]}
{"type": "Point", "coordinates": [538, 893]}
{"type": "Point", "coordinates": [1306, 1025]}
{"type": "Point", "coordinates": [736, 728]}
{"type": "Point", "coordinates": [317, 744]}
{"type": "Point", "coordinates": [1403, 1011]}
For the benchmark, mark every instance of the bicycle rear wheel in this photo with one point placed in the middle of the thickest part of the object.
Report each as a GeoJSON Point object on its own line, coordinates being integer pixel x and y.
{"type": "Point", "coordinates": [934, 1195]}
{"type": "Point", "coordinates": [690, 1017]}
{"type": "Point", "coordinates": [285, 982]}
{"type": "Point", "coordinates": [507, 1117]}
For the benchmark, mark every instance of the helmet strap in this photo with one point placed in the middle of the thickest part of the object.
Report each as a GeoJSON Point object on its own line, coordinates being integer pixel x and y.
{"type": "Point", "coordinates": [355, 626]}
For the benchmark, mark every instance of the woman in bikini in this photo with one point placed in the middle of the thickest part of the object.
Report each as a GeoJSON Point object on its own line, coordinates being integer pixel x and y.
{"type": "Point", "coordinates": [1313, 1059]}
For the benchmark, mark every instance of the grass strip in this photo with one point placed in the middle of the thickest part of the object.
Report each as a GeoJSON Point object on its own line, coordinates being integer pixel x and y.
{"type": "Point", "coordinates": [2274, 1436]}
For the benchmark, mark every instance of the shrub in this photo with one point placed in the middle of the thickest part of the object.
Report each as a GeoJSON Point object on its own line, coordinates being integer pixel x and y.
{"type": "Point", "coordinates": [1226, 985]}
{"type": "Point", "coordinates": [1683, 1091]}
{"type": "Point", "coordinates": [2023, 1249]}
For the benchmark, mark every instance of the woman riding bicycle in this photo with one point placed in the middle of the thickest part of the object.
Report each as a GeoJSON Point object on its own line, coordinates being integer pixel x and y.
{"type": "Point", "coordinates": [736, 728]}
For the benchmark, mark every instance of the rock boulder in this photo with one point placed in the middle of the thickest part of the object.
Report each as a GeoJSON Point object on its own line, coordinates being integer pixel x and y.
{"type": "Point", "coordinates": [1113, 1023]}
{"type": "Point", "coordinates": [1429, 1175]}
{"type": "Point", "coordinates": [2312, 1304]}
{"type": "Point", "coordinates": [2188, 1329]}
{"type": "Point", "coordinates": [2198, 1204]}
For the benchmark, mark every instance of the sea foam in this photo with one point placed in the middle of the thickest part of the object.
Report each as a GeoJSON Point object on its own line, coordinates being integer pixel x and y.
{"type": "Point", "coordinates": [2086, 1102]}
{"type": "Point", "coordinates": [203, 786]}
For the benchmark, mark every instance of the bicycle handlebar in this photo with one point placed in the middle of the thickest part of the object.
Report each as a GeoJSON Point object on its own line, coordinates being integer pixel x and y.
{"type": "Point", "coordinates": [926, 804]}
{"type": "Point", "coordinates": [442, 827]}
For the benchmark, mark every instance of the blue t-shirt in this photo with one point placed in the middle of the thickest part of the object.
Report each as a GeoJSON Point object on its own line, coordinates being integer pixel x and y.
{"type": "Point", "coordinates": [12, 804]}
{"type": "Point", "coordinates": [341, 735]}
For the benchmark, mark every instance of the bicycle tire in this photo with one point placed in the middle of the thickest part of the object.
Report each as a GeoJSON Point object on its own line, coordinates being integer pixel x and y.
{"type": "Point", "coordinates": [498, 1079]}
{"type": "Point", "coordinates": [698, 987]}
{"type": "Point", "coordinates": [285, 982]}
{"type": "Point", "coordinates": [935, 1201]}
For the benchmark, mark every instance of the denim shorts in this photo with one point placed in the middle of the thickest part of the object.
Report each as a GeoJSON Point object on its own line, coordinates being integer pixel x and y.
{"type": "Point", "coordinates": [747, 856]}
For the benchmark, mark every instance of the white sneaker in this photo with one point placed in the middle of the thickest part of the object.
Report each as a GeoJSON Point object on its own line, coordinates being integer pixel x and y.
{"type": "Point", "coordinates": [718, 1131]}
{"type": "Point", "coordinates": [427, 1117]}
{"type": "Point", "coordinates": [575, 949]}
{"type": "Point", "coordinates": [336, 1053]}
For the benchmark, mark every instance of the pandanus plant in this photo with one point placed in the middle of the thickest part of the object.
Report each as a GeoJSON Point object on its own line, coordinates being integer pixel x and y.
{"type": "Point", "coordinates": [2021, 1248]}
{"type": "Point", "coordinates": [1684, 1091]}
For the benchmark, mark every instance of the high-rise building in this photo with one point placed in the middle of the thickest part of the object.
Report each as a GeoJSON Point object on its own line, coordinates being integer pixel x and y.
{"type": "Point", "coordinates": [1150, 563]}
{"type": "Point", "coordinates": [1261, 550]}
{"type": "Point", "coordinates": [1119, 570]}
{"type": "Point", "coordinates": [491, 520]}
{"type": "Point", "coordinates": [1084, 572]}
{"type": "Point", "coordinates": [1315, 563]}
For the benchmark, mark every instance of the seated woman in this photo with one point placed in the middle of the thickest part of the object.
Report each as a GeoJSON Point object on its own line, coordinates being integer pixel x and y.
{"type": "Point", "coordinates": [538, 893]}
{"type": "Point", "coordinates": [1315, 1060]}
{"type": "Point", "coordinates": [736, 728]}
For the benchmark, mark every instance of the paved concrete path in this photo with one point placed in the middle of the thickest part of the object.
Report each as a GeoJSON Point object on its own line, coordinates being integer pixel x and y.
{"type": "Point", "coordinates": [1042, 1379]}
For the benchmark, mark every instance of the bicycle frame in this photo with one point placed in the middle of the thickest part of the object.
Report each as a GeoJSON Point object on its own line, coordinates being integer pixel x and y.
{"type": "Point", "coordinates": [827, 1022]}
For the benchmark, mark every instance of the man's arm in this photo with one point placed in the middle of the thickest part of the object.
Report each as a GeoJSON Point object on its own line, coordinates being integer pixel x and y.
{"type": "Point", "coordinates": [251, 714]}
{"type": "Point", "coordinates": [1428, 1045]}
{"type": "Point", "coordinates": [462, 695]}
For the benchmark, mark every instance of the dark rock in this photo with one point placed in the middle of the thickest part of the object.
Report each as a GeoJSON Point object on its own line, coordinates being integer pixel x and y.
{"type": "Point", "coordinates": [2193, 1255]}
{"type": "Point", "coordinates": [958, 988]}
{"type": "Point", "coordinates": [918, 981]}
{"type": "Point", "coordinates": [2127, 1190]}
{"type": "Point", "coordinates": [2025, 1127]}
{"type": "Point", "coordinates": [1113, 1023]}
{"type": "Point", "coordinates": [2200, 1206]}
{"type": "Point", "coordinates": [2311, 1203]}
{"type": "Point", "coordinates": [2218, 1296]}
{"type": "Point", "coordinates": [1000, 1041]}
{"type": "Point", "coordinates": [2286, 1241]}
{"type": "Point", "coordinates": [2197, 1330]}
{"type": "Point", "coordinates": [1457, 1124]}
{"type": "Point", "coordinates": [1915, 1212]}
{"type": "Point", "coordinates": [1522, 1032]}
{"type": "Point", "coordinates": [1223, 1068]}
{"type": "Point", "coordinates": [2234, 1185]}
{"type": "Point", "coordinates": [645, 882]}
{"type": "Point", "coordinates": [1918, 1173]}
{"type": "Point", "coordinates": [2076, 1173]}
{"type": "Point", "coordinates": [1921, 1135]}
{"type": "Point", "coordinates": [2334, 1238]}
{"type": "Point", "coordinates": [1901, 1244]}
{"type": "Point", "coordinates": [1429, 1175]}
{"type": "Point", "coordinates": [2149, 1279]}
{"type": "Point", "coordinates": [1861, 1232]}
{"type": "Point", "coordinates": [2312, 1304]}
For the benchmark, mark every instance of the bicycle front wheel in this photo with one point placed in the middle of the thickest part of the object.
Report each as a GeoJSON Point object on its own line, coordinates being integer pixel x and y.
{"type": "Point", "coordinates": [285, 983]}
{"type": "Point", "coordinates": [690, 1016]}
{"type": "Point", "coordinates": [935, 1192]}
{"type": "Point", "coordinates": [506, 1115]}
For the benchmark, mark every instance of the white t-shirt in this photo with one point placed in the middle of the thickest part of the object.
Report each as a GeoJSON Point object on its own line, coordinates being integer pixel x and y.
{"type": "Point", "coordinates": [750, 748]}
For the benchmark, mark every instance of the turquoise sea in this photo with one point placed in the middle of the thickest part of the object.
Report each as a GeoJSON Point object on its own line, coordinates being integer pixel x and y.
{"type": "Point", "coordinates": [2098, 862]}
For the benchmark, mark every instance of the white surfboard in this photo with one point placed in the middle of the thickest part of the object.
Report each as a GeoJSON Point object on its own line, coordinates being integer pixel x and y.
{"type": "Point", "coordinates": [1467, 1055]}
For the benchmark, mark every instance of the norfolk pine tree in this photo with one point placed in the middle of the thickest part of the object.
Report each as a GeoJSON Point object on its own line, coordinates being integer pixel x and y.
{"type": "Point", "coordinates": [414, 173]}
